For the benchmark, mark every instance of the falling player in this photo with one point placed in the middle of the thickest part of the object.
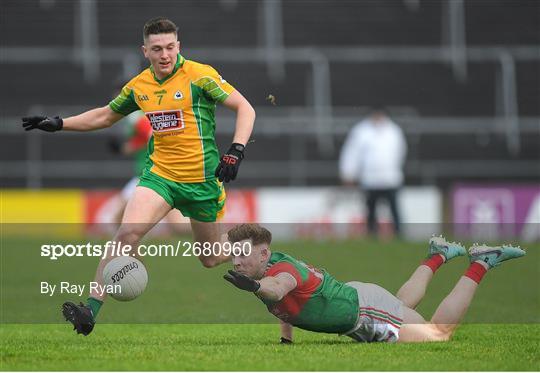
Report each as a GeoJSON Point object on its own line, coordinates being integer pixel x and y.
{"type": "Point", "coordinates": [303, 296]}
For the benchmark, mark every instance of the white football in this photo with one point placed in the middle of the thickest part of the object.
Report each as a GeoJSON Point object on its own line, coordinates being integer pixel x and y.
{"type": "Point", "coordinates": [125, 278]}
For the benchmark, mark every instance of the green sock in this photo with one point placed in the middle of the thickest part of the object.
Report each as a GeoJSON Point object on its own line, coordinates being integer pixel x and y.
{"type": "Point", "coordinates": [95, 305]}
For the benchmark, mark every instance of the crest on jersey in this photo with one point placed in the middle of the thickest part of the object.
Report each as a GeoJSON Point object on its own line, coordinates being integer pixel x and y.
{"type": "Point", "coordinates": [178, 95]}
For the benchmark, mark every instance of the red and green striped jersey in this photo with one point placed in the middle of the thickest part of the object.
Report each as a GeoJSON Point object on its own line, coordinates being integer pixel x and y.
{"type": "Point", "coordinates": [319, 303]}
{"type": "Point", "coordinates": [139, 132]}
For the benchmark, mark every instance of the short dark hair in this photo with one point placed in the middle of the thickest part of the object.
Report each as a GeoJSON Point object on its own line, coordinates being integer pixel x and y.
{"type": "Point", "coordinates": [159, 25]}
{"type": "Point", "coordinates": [254, 232]}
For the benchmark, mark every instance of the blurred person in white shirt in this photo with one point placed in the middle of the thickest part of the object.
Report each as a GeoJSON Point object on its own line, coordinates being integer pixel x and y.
{"type": "Point", "coordinates": [373, 156]}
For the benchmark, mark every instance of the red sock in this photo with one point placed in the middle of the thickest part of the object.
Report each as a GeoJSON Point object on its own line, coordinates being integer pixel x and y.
{"type": "Point", "coordinates": [434, 262]}
{"type": "Point", "coordinates": [475, 272]}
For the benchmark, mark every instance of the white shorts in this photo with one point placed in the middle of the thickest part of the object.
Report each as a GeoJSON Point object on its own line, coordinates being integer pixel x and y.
{"type": "Point", "coordinates": [380, 314]}
{"type": "Point", "coordinates": [129, 188]}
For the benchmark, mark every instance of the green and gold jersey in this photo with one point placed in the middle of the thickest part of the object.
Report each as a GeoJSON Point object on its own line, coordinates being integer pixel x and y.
{"type": "Point", "coordinates": [181, 110]}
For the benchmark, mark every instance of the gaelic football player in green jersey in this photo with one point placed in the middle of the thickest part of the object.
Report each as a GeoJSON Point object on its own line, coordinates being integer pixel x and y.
{"type": "Point", "coordinates": [184, 169]}
{"type": "Point", "coordinates": [139, 132]}
{"type": "Point", "coordinates": [311, 299]}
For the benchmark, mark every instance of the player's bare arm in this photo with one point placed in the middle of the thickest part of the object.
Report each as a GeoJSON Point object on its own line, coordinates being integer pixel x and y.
{"type": "Point", "coordinates": [272, 288]}
{"type": "Point", "coordinates": [286, 332]}
{"type": "Point", "coordinates": [91, 120]}
{"type": "Point", "coordinates": [245, 118]}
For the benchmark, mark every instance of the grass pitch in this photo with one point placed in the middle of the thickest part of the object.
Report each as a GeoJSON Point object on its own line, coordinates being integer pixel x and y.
{"type": "Point", "coordinates": [189, 318]}
{"type": "Point", "coordinates": [254, 347]}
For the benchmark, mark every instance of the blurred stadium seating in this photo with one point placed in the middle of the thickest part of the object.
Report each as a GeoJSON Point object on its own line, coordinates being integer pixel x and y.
{"type": "Point", "coordinates": [462, 78]}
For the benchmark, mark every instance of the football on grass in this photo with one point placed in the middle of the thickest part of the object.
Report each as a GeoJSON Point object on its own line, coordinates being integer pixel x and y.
{"type": "Point", "coordinates": [125, 278]}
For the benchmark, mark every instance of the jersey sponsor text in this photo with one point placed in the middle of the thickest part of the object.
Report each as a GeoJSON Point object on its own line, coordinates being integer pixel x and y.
{"type": "Point", "coordinates": [162, 121]}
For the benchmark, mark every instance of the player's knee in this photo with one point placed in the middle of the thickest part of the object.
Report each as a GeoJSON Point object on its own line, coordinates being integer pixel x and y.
{"type": "Point", "coordinates": [441, 332]}
{"type": "Point", "coordinates": [441, 337]}
{"type": "Point", "coordinates": [128, 238]}
{"type": "Point", "coordinates": [130, 235]}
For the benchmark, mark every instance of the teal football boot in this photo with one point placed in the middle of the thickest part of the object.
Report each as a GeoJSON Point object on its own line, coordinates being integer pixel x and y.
{"type": "Point", "coordinates": [494, 255]}
{"type": "Point", "coordinates": [450, 250]}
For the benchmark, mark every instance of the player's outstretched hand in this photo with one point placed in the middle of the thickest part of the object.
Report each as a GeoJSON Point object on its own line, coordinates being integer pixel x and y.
{"type": "Point", "coordinates": [242, 281]}
{"type": "Point", "coordinates": [230, 162]}
{"type": "Point", "coordinates": [42, 123]}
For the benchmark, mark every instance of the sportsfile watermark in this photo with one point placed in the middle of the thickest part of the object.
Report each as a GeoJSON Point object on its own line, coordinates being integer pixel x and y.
{"type": "Point", "coordinates": [45, 265]}
{"type": "Point", "coordinates": [117, 248]}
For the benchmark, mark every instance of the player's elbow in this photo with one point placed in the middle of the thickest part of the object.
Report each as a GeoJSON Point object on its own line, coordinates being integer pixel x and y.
{"type": "Point", "coordinates": [245, 107]}
{"type": "Point", "coordinates": [105, 121]}
{"type": "Point", "coordinates": [279, 294]}
{"type": "Point", "coordinates": [107, 117]}
{"type": "Point", "coordinates": [270, 295]}
{"type": "Point", "coordinates": [248, 110]}
{"type": "Point", "coordinates": [105, 124]}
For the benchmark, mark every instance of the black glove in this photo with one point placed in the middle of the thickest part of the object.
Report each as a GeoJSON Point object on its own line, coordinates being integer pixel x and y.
{"type": "Point", "coordinates": [242, 281]}
{"type": "Point", "coordinates": [230, 162]}
{"type": "Point", "coordinates": [42, 123]}
{"type": "Point", "coordinates": [285, 341]}
{"type": "Point", "coordinates": [115, 145]}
